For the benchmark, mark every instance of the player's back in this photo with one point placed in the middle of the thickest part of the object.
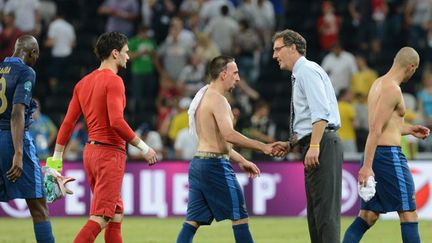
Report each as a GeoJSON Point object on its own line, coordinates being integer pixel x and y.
{"type": "Point", "coordinates": [391, 133]}
{"type": "Point", "coordinates": [210, 137]}
{"type": "Point", "coordinates": [16, 84]}
{"type": "Point", "coordinates": [92, 92]}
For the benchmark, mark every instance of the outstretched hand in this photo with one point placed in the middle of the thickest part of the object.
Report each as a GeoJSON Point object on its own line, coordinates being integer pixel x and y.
{"type": "Point", "coordinates": [250, 168]}
{"type": "Point", "coordinates": [420, 131]}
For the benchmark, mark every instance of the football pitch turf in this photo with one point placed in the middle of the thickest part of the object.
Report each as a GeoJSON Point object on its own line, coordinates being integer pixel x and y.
{"type": "Point", "coordinates": [153, 230]}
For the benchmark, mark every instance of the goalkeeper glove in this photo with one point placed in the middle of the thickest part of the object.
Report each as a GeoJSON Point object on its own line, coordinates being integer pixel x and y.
{"type": "Point", "coordinates": [54, 184]}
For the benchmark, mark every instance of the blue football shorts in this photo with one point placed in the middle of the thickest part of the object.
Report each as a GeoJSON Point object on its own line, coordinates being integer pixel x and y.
{"type": "Point", "coordinates": [395, 190]}
{"type": "Point", "coordinates": [30, 184]}
{"type": "Point", "coordinates": [214, 192]}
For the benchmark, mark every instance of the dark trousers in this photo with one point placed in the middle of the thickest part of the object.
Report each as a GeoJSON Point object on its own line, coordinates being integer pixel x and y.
{"type": "Point", "coordinates": [323, 189]}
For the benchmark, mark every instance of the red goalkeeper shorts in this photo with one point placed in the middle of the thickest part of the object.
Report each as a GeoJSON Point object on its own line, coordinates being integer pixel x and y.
{"type": "Point", "coordinates": [105, 166]}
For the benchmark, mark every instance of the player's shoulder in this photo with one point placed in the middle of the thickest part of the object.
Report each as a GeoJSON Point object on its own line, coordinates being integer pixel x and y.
{"type": "Point", "coordinates": [18, 68]}
{"type": "Point", "coordinates": [110, 76]}
{"type": "Point", "coordinates": [390, 87]}
{"type": "Point", "coordinates": [215, 97]}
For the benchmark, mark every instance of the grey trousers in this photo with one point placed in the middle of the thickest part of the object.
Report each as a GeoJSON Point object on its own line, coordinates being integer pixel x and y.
{"type": "Point", "coordinates": [323, 189]}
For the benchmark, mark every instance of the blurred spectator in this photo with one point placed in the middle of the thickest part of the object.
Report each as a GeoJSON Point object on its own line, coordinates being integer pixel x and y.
{"type": "Point", "coordinates": [247, 47]}
{"type": "Point", "coordinates": [174, 53]}
{"type": "Point", "coordinates": [74, 149]}
{"type": "Point", "coordinates": [121, 15]}
{"type": "Point", "coordinates": [192, 76]}
{"type": "Point", "coordinates": [363, 79]}
{"type": "Point", "coordinates": [258, 126]}
{"type": "Point", "coordinates": [348, 121]}
{"type": "Point", "coordinates": [190, 7]}
{"type": "Point", "coordinates": [142, 50]}
{"type": "Point", "coordinates": [48, 10]}
{"type": "Point", "coordinates": [328, 26]}
{"type": "Point", "coordinates": [151, 138]}
{"type": "Point", "coordinates": [157, 15]}
{"type": "Point", "coordinates": [166, 103]}
{"type": "Point", "coordinates": [377, 57]}
{"type": "Point", "coordinates": [362, 129]}
{"type": "Point", "coordinates": [209, 9]}
{"type": "Point", "coordinates": [185, 36]}
{"type": "Point", "coordinates": [222, 30]}
{"type": "Point", "coordinates": [265, 22]}
{"type": "Point", "coordinates": [61, 39]}
{"type": "Point", "coordinates": [418, 16]}
{"type": "Point", "coordinates": [179, 120]}
{"type": "Point", "coordinates": [340, 66]}
{"type": "Point", "coordinates": [206, 49]}
{"type": "Point", "coordinates": [261, 126]}
{"type": "Point", "coordinates": [360, 13]}
{"type": "Point", "coordinates": [246, 11]}
{"type": "Point", "coordinates": [185, 144]}
{"type": "Point", "coordinates": [27, 15]}
{"type": "Point", "coordinates": [8, 36]}
{"type": "Point", "coordinates": [380, 11]}
{"type": "Point", "coordinates": [194, 24]}
{"type": "Point", "coordinates": [43, 131]}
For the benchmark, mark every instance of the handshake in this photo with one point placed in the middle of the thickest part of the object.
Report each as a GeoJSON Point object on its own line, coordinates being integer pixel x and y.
{"type": "Point", "coordinates": [54, 182]}
{"type": "Point", "coordinates": [276, 149]}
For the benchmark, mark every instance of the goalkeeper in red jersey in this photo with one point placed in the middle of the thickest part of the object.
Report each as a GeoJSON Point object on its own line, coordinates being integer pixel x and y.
{"type": "Point", "coordinates": [100, 97]}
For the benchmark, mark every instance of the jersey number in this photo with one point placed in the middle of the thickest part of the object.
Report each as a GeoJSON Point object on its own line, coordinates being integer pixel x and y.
{"type": "Point", "coordinates": [3, 99]}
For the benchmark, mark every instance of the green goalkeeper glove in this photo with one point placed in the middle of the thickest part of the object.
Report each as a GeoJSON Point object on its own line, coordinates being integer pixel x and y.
{"type": "Point", "coordinates": [56, 164]}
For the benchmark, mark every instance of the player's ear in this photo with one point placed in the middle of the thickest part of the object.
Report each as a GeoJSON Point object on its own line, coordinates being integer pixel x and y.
{"type": "Point", "coordinates": [222, 75]}
{"type": "Point", "coordinates": [115, 53]}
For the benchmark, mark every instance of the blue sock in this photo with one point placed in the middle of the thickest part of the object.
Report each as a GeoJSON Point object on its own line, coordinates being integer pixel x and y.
{"type": "Point", "coordinates": [187, 233]}
{"type": "Point", "coordinates": [43, 232]}
{"type": "Point", "coordinates": [242, 233]}
{"type": "Point", "coordinates": [355, 231]}
{"type": "Point", "coordinates": [410, 233]}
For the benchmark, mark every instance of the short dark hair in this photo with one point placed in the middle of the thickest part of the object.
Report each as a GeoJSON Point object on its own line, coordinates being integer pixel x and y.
{"type": "Point", "coordinates": [291, 37]}
{"type": "Point", "coordinates": [108, 42]}
{"type": "Point", "coordinates": [217, 65]}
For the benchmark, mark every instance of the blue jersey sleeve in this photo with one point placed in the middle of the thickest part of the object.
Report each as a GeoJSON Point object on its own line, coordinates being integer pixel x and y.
{"type": "Point", "coordinates": [24, 87]}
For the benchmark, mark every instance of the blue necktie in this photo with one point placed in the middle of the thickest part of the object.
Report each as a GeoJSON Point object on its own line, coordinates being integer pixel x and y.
{"type": "Point", "coordinates": [292, 135]}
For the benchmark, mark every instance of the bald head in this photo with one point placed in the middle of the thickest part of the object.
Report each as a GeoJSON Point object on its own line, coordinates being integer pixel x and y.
{"type": "Point", "coordinates": [27, 48]}
{"type": "Point", "coordinates": [407, 56]}
{"type": "Point", "coordinates": [26, 43]}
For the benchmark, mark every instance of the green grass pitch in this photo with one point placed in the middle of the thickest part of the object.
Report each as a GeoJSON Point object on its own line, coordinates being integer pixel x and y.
{"type": "Point", "coordinates": [152, 230]}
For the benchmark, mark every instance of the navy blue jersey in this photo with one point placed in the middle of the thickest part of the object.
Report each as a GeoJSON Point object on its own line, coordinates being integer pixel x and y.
{"type": "Point", "coordinates": [16, 83]}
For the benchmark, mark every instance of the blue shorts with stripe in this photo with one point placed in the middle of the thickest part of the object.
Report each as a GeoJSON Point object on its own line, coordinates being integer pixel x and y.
{"type": "Point", "coordinates": [214, 192]}
{"type": "Point", "coordinates": [30, 184]}
{"type": "Point", "coordinates": [395, 190]}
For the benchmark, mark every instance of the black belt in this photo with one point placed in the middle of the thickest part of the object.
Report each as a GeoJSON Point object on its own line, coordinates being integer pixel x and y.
{"type": "Point", "coordinates": [106, 144]}
{"type": "Point", "coordinates": [305, 141]}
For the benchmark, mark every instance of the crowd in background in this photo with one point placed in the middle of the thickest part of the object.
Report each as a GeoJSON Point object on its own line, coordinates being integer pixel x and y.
{"type": "Point", "coordinates": [171, 42]}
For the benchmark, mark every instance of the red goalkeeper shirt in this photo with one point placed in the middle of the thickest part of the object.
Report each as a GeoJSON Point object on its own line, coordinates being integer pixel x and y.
{"type": "Point", "coordinates": [100, 96]}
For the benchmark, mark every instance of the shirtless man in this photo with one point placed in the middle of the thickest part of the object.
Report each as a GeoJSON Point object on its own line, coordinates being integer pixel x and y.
{"type": "Point", "coordinates": [214, 191]}
{"type": "Point", "coordinates": [383, 157]}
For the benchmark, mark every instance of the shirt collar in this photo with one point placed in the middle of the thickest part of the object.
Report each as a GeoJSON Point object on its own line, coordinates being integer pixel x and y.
{"type": "Point", "coordinates": [13, 59]}
{"type": "Point", "coordinates": [302, 60]}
